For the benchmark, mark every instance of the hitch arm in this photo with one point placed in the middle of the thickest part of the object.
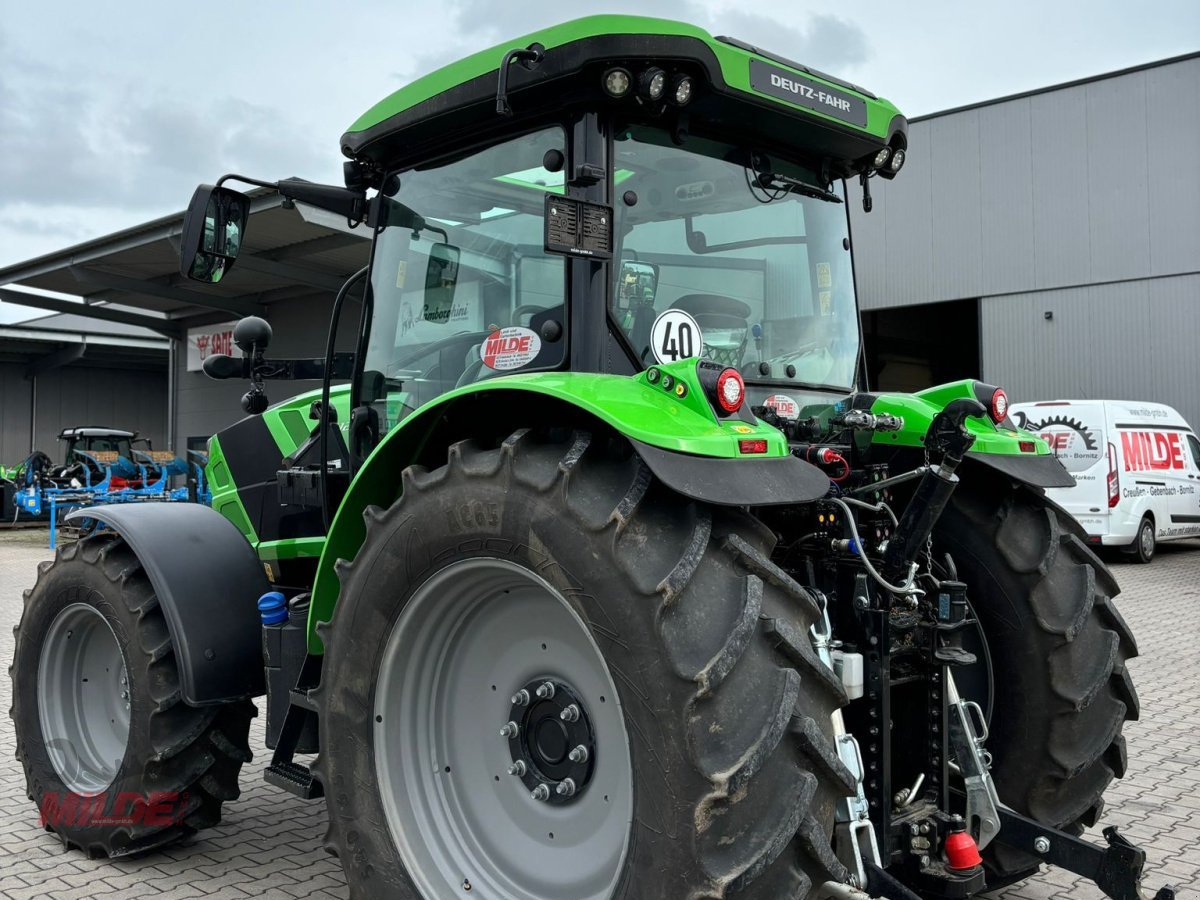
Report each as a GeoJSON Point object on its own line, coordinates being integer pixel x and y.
{"type": "Point", "coordinates": [1116, 869]}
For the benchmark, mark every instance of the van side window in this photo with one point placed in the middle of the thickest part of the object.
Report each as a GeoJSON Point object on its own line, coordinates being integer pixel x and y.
{"type": "Point", "coordinates": [1194, 447]}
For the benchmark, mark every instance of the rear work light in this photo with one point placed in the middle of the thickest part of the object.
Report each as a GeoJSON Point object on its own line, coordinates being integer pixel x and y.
{"type": "Point", "coordinates": [998, 409]}
{"type": "Point", "coordinates": [731, 390]}
{"type": "Point", "coordinates": [1114, 479]}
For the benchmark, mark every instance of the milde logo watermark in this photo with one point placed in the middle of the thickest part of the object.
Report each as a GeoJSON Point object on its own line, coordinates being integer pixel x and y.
{"type": "Point", "coordinates": [109, 808]}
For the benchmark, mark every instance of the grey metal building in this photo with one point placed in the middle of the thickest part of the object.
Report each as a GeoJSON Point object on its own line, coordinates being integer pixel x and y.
{"type": "Point", "coordinates": [1050, 240]}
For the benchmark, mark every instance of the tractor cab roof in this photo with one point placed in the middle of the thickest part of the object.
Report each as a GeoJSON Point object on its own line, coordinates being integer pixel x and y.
{"type": "Point", "coordinates": [94, 431]}
{"type": "Point", "coordinates": [748, 93]}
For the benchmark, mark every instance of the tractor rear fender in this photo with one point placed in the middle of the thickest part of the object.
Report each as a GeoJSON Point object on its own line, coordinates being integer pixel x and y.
{"type": "Point", "coordinates": [1020, 455]}
{"type": "Point", "coordinates": [207, 580]}
{"type": "Point", "coordinates": [683, 444]}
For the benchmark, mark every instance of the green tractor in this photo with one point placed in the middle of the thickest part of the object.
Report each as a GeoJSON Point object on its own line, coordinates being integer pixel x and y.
{"type": "Point", "coordinates": [595, 570]}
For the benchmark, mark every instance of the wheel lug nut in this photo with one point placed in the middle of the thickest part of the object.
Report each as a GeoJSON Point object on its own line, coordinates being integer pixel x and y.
{"type": "Point", "coordinates": [517, 768]}
{"type": "Point", "coordinates": [546, 690]}
{"type": "Point", "coordinates": [579, 754]}
{"type": "Point", "coordinates": [510, 729]}
{"type": "Point", "coordinates": [521, 698]}
{"type": "Point", "coordinates": [566, 788]}
{"type": "Point", "coordinates": [541, 792]}
{"type": "Point", "coordinates": [570, 714]}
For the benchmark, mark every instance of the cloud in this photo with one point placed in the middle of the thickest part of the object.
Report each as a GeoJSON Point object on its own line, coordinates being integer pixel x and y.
{"type": "Point", "coordinates": [132, 145]}
{"type": "Point", "coordinates": [822, 41]}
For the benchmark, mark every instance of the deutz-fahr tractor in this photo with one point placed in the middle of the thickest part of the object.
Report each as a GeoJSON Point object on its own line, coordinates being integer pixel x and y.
{"type": "Point", "coordinates": [594, 568]}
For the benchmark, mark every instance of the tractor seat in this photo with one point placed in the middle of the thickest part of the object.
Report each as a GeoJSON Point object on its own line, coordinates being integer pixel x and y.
{"type": "Point", "coordinates": [716, 312]}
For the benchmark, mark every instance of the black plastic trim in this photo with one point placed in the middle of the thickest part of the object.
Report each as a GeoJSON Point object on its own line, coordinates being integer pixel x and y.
{"type": "Point", "coordinates": [1040, 471]}
{"type": "Point", "coordinates": [772, 481]}
{"type": "Point", "coordinates": [207, 579]}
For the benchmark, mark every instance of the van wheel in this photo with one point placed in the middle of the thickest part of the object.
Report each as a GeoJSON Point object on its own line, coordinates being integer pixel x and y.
{"type": "Point", "coordinates": [1143, 544]}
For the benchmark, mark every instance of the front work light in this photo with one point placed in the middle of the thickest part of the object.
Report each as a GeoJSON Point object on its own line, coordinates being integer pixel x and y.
{"type": "Point", "coordinates": [652, 83]}
{"type": "Point", "coordinates": [616, 82]}
{"type": "Point", "coordinates": [681, 90]}
{"type": "Point", "coordinates": [881, 157]}
{"type": "Point", "coordinates": [897, 160]}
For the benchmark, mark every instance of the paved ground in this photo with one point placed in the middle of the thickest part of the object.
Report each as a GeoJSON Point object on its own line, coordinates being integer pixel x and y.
{"type": "Point", "coordinates": [267, 846]}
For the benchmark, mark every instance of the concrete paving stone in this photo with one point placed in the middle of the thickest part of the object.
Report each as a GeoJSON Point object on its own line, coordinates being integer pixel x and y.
{"type": "Point", "coordinates": [269, 844]}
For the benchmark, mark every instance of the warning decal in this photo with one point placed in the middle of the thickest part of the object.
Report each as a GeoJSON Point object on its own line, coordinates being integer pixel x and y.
{"type": "Point", "coordinates": [510, 348]}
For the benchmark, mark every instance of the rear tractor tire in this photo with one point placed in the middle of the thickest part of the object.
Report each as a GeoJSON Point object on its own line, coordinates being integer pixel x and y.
{"type": "Point", "coordinates": [545, 611]}
{"type": "Point", "coordinates": [1057, 649]}
{"type": "Point", "coordinates": [115, 761]}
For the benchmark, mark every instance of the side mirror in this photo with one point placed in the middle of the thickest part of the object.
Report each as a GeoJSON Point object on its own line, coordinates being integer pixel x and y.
{"type": "Point", "coordinates": [441, 278]}
{"type": "Point", "coordinates": [212, 233]}
{"type": "Point", "coordinates": [637, 283]}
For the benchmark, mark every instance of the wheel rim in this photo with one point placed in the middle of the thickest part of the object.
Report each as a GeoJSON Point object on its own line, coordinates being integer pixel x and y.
{"type": "Point", "coordinates": [1147, 539]}
{"type": "Point", "coordinates": [470, 638]}
{"type": "Point", "coordinates": [83, 699]}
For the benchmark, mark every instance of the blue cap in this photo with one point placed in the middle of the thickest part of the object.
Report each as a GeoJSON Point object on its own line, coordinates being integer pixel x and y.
{"type": "Point", "coordinates": [272, 607]}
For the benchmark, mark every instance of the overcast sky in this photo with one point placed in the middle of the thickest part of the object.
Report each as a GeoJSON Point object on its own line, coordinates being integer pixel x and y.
{"type": "Point", "coordinates": [110, 114]}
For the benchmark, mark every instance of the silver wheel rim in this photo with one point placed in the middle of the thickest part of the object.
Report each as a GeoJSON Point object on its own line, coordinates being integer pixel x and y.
{"type": "Point", "coordinates": [83, 699]}
{"type": "Point", "coordinates": [472, 635]}
{"type": "Point", "coordinates": [1147, 540]}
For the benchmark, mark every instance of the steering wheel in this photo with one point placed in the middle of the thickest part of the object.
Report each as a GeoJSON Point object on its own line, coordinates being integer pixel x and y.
{"type": "Point", "coordinates": [527, 309]}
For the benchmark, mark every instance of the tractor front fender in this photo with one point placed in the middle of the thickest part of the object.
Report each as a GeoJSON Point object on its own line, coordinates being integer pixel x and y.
{"type": "Point", "coordinates": [207, 579]}
{"type": "Point", "coordinates": [681, 442]}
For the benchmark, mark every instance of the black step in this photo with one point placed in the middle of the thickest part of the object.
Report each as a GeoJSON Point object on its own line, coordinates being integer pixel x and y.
{"type": "Point", "coordinates": [295, 779]}
{"type": "Point", "coordinates": [300, 698]}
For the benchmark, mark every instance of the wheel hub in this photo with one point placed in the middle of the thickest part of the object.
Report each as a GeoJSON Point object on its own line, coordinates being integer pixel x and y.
{"type": "Point", "coordinates": [553, 744]}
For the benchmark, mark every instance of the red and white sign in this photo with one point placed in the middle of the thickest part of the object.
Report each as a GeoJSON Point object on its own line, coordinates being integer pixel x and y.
{"type": "Point", "coordinates": [785, 407]}
{"type": "Point", "coordinates": [207, 341]}
{"type": "Point", "coordinates": [510, 348]}
{"type": "Point", "coordinates": [1152, 451]}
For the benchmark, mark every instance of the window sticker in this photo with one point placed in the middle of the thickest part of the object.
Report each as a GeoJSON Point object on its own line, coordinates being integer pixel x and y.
{"type": "Point", "coordinates": [510, 348]}
{"type": "Point", "coordinates": [785, 407]}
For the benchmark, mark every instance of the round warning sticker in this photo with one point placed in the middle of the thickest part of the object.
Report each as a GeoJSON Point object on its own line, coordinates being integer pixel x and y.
{"type": "Point", "coordinates": [785, 407]}
{"type": "Point", "coordinates": [675, 336]}
{"type": "Point", "coordinates": [510, 348]}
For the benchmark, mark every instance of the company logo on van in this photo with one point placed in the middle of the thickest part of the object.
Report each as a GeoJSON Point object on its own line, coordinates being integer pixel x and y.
{"type": "Point", "coordinates": [1152, 451]}
{"type": "Point", "coordinates": [1076, 446]}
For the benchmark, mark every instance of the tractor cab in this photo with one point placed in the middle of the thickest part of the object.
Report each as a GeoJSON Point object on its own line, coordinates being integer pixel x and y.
{"type": "Point", "coordinates": [620, 193]}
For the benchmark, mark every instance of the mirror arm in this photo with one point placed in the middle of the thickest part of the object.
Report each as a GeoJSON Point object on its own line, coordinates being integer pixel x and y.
{"type": "Point", "coordinates": [340, 200]}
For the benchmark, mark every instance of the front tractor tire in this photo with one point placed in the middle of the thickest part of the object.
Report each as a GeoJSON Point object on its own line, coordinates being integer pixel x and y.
{"type": "Point", "coordinates": [116, 763]}
{"type": "Point", "coordinates": [1058, 688]}
{"type": "Point", "coordinates": [556, 559]}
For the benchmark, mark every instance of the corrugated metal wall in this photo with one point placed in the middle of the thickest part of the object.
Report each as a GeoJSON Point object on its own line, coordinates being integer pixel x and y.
{"type": "Point", "coordinates": [299, 329]}
{"type": "Point", "coordinates": [79, 395]}
{"type": "Point", "coordinates": [1084, 201]}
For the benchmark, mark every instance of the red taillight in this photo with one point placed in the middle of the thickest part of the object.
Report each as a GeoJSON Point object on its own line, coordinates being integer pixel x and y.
{"type": "Point", "coordinates": [752, 446]}
{"type": "Point", "coordinates": [1027, 446]}
{"type": "Point", "coordinates": [1114, 479]}
{"type": "Point", "coordinates": [999, 410]}
{"type": "Point", "coordinates": [731, 390]}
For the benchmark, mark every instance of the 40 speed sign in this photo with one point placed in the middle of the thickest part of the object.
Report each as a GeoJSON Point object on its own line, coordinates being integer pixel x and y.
{"type": "Point", "coordinates": [675, 336]}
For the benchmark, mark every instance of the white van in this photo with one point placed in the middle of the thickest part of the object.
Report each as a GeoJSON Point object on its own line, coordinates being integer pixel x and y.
{"type": "Point", "coordinates": [1136, 468]}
